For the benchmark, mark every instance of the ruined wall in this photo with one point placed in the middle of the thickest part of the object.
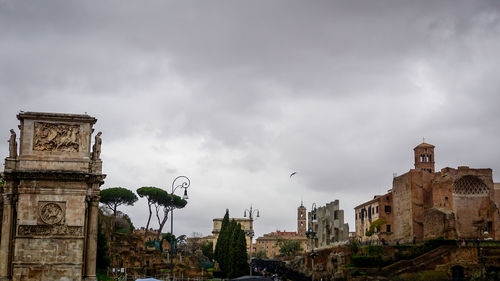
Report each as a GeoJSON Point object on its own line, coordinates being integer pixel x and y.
{"type": "Point", "coordinates": [330, 227]}
{"type": "Point", "coordinates": [402, 205]}
{"type": "Point", "coordinates": [439, 223]}
{"type": "Point", "coordinates": [497, 194]}
{"type": "Point", "coordinates": [472, 200]}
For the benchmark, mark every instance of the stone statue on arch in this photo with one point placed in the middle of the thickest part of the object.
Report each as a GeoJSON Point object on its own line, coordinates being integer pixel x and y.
{"type": "Point", "coordinates": [12, 144]}
{"type": "Point", "coordinates": [96, 148]}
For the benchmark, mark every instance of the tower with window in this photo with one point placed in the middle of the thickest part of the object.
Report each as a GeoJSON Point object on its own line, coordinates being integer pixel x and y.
{"type": "Point", "coordinates": [301, 220]}
{"type": "Point", "coordinates": [424, 157]}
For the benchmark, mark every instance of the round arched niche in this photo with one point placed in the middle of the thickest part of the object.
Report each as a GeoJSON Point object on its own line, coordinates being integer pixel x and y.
{"type": "Point", "coordinates": [470, 186]}
{"type": "Point", "coordinates": [471, 205]}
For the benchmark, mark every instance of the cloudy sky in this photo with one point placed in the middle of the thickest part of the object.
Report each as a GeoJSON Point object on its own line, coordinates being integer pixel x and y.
{"type": "Point", "coordinates": [236, 95]}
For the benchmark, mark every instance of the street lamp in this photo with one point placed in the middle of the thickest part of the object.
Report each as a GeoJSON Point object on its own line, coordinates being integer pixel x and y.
{"type": "Point", "coordinates": [185, 183]}
{"type": "Point", "coordinates": [310, 233]}
{"type": "Point", "coordinates": [250, 232]}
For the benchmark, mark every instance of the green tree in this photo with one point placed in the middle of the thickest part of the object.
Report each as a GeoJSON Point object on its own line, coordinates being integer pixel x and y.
{"type": "Point", "coordinates": [168, 204]}
{"type": "Point", "coordinates": [375, 227]}
{"type": "Point", "coordinates": [221, 241]}
{"type": "Point", "coordinates": [117, 196]}
{"type": "Point", "coordinates": [208, 250]}
{"type": "Point", "coordinates": [154, 196]}
{"type": "Point", "coordinates": [238, 253]}
{"type": "Point", "coordinates": [289, 247]}
{"type": "Point", "coordinates": [231, 249]}
{"type": "Point", "coordinates": [173, 240]}
{"type": "Point", "coordinates": [228, 243]}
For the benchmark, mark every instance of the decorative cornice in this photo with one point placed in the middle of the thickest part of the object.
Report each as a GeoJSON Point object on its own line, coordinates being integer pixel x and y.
{"type": "Point", "coordinates": [84, 118]}
{"type": "Point", "coordinates": [59, 175]}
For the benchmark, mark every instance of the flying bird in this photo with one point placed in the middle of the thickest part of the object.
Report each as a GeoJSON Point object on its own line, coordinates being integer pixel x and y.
{"type": "Point", "coordinates": [292, 174]}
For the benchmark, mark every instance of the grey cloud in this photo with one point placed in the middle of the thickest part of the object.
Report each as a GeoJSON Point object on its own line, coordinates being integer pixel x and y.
{"type": "Point", "coordinates": [340, 91]}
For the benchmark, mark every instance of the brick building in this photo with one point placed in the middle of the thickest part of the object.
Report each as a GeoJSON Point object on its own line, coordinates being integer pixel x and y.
{"type": "Point", "coordinates": [380, 207]}
{"type": "Point", "coordinates": [453, 203]}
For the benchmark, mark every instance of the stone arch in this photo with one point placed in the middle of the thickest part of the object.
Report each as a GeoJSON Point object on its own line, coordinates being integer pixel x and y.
{"type": "Point", "coordinates": [457, 273]}
{"type": "Point", "coordinates": [470, 185]}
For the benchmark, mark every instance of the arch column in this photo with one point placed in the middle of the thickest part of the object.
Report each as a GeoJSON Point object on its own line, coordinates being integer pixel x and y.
{"type": "Point", "coordinates": [7, 230]}
{"type": "Point", "coordinates": [91, 250]}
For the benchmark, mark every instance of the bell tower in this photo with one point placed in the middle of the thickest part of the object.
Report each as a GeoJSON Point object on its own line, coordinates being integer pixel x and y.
{"type": "Point", "coordinates": [424, 157]}
{"type": "Point", "coordinates": [301, 220]}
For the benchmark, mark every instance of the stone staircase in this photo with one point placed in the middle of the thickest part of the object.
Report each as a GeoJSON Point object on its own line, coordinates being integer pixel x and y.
{"type": "Point", "coordinates": [427, 261]}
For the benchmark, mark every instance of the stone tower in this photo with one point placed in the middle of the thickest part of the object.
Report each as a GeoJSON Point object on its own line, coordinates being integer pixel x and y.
{"type": "Point", "coordinates": [301, 220]}
{"type": "Point", "coordinates": [424, 157]}
{"type": "Point", "coordinates": [50, 199]}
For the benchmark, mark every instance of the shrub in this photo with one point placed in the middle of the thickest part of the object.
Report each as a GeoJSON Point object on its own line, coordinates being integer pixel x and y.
{"type": "Point", "coordinates": [354, 247]}
{"type": "Point", "coordinates": [373, 250]}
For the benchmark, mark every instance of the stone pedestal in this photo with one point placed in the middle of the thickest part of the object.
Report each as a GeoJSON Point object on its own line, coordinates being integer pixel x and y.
{"type": "Point", "coordinates": [51, 195]}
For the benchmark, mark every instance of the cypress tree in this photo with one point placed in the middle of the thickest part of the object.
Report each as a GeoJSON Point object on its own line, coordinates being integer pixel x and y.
{"type": "Point", "coordinates": [238, 253]}
{"type": "Point", "coordinates": [219, 247]}
{"type": "Point", "coordinates": [228, 244]}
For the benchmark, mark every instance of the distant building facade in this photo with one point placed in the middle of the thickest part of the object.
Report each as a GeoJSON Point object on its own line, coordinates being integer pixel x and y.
{"type": "Point", "coordinates": [246, 225]}
{"type": "Point", "coordinates": [329, 225]}
{"type": "Point", "coordinates": [270, 242]}
{"type": "Point", "coordinates": [379, 208]}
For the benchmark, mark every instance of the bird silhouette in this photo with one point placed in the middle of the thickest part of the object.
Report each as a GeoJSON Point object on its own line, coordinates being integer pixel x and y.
{"type": "Point", "coordinates": [292, 174]}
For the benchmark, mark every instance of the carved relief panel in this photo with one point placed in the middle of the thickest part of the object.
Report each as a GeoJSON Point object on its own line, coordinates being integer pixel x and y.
{"type": "Point", "coordinates": [56, 137]}
{"type": "Point", "coordinates": [51, 213]}
{"type": "Point", "coordinates": [49, 230]}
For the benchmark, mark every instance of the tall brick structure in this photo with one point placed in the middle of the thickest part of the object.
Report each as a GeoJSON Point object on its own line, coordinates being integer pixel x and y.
{"type": "Point", "coordinates": [452, 203]}
{"type": "Point", "coordinates": [460, 203]}
{"type": "Point", "coordinates": [50, 199]}
{"type": "Point", "coordinates": [301, 220]}
{"type": "Point", "coordinates": [424, 157]}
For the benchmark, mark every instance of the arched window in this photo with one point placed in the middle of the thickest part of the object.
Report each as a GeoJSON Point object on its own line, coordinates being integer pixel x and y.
{"type": "Point", "coordinates": [470, 185]}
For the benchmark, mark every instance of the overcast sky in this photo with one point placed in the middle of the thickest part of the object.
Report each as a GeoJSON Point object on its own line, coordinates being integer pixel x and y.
{"type": "Point", "coordinates": [236, 95]}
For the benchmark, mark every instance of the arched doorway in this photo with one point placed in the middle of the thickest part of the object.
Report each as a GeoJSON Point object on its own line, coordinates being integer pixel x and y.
{"type": "Point", "coordinates": [457, 273]}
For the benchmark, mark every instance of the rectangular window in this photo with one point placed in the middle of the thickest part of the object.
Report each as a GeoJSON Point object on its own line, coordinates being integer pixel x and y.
{"type": "Point", "coordinates": [388, 209]}
{"type": "Point", "coordinates": [377, 209]}
{"type": "Point", "coordinates": [335, 215]}
{"type": "Point", "coordinates": [388, 228]}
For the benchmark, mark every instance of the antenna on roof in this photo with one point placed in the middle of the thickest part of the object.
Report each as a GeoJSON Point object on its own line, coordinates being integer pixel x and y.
{"type": "Point", "coordinates": [423, 139]}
